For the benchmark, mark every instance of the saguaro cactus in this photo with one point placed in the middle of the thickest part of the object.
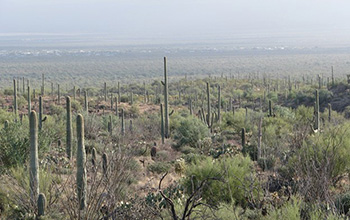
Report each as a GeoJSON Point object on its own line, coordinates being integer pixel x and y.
{"type": "Point", "coordinates": [208, 105]}
{"type": "Point", "coordinates": [166, 102]}
{"type": "Point", "coordinates": [270, 108]}
{"type": "Point", "coordinates": [317, 111]}
{"type": "Point", "coordinates": [34, 163]}
{"type": "Point", "coordinates": [130, 126]}
{"type": "Point", "coordinates": [69, 132]}
{"type": "Point", "coordinates": [110, 128]}
{"type": "Point", "coordinates": [86, 102]}
{"type": "Point", "coordinates": [15, 107]}
{"type": "Point", "coordinates": [58, 94]}
{"type": "Point", "coordinates": [329, 112]}
{"type": "Point", "coordinates": [105, 165]}
{"type": "Point", "coordinates": [162, 122]}
{"type": "Point", "coordinates": [41, 109]}
{"type": "Point", "coordinates": [43, 85]}
{"type": "Point", "coordinates": [29, 102]}
{"type": "Point", "coordinates": [243, 137]}
{"type": "Point", "coordinates": [105, 91]}
{"type": "Point", "coordinates": [41, 204]}
{"type": "Point", "coordinates": [123, 122]}
{"type": "Point", "coordinates": [219, 104]}
{"type": "Point", "coordinates": [119, 95]}
{"type": "Point", "coordinates": [74, 92]}
{"type": "Point", "coordinates": [116, 107]}
{"type": "Point", "coordinates": [81, 158]}
{"type": "Point", "coordinates": [93, 157]}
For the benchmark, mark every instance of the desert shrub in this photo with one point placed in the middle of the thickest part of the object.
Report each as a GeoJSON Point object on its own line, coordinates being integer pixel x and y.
{"type": "Point", "coordinates": [228, 179]}
{"type": "Point", "coordinates": [342, 203]}
{"type": "Point", "coordinates": [189, 132]}
{"type": "Point", "coordinates": [290, 210]}
{"type": "Point", "coordinates": [76, 106]}
{"type": "Point", "coordinates": [266, 163]}
{"type": "Point", "coordinates": [159, 167]}
{"type": "Point", "coordinates": [14, 145]}
{"type": "Point", "coordinates": [57, 110]}
{"type": "Point", "coordinates": [322, 160]}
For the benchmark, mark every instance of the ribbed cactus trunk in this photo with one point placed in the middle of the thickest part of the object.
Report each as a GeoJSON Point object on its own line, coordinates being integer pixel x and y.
{"type": "Point", "coordinates": [86, 102]}
{"type": "Point", "coordinates": [110, 129]}
{"type": "Point", "coordinates": [29, 102]}
{"type": "Point", "coordinates": [41, 109]}
{"type": "Point", "coordinates": [69, 128]}
{"type": "Point", "coordinates": [58, 94]}
{"type": "Point", "coordinates": [190, 106]}
{"type": "Point", "coordinates": [317, 111]}
{"type": "Point", "coordinates": [43, 85]}
{"type": "Point", "coordinates": [329, 112]}
{"type": "Point", "coordinates": [24, 86]}
{"type": "Point", "coordinates": [112, 102]}
{"type": "Point", "coordinates": [208, 105]}
{"type": "Point", "coordinates": [41, 204]}
{"type": "Point", "coordinates": [243, 137]}
{"type": "Point", "coordinates": [219, 105]}
{"type": "Point", "coordinates": [116, 107]}
{"type": "Point", "coordinates": [332, 77]}
{"type": "Point", "coordinates": [6, 124]}
{"type": "Point", "coordinates": [81, 159]}
{"type": "Point", "coordinates": [162, 122]}
{"type": "Point", "coordinates": [15, 107]}
{"type": "Point", "coordinates": [144, 93]}
{"type": "Point", "coordinates": [131, 98]}
{"type": "Point", "coordinates": [130, 127]}
{"type": "Point", "coordinates": [93, 158]}
{"type": "Point", "coordinates": [52, 89]}
{"type": "Point", "coordinates": [230, 104]}
{"type": "Point", "coordinates": [105, 165]}
{"type": "Point", "coordinates": [34, 162]}
{"type": "Point", "coordinates": [123, 122]}
{"type": "Point", "coordinates": [270, 108]}
{"type": "Point", "coordinates": [105, 91]}
{"type": "Point", "coordinates": [119, 95]}
{"type": "Point", "coordinates": [166, 101]}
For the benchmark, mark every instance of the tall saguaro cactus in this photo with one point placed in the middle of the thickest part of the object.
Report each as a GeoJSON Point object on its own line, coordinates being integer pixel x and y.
{"type": "Point", "coordinates": [329, 112]}
{"type": "Point", "coordinates": [43, 85]}
{"type": "Point", "coordinates": [34, 162]}
{"type": "Point", "coordinates": [162, 122]}
{"type": "Point", "coordinates": [243, 137]}
{"type": "Point", "coordinates": [270, 108]}
{"type": "Point", "coordinates": [41, 204]}
{"type": "Point", "coordinates": [29, 102]}
{"type": "Point", "coordinates": [208, 104]}
{"type": "Point", "coordinates": [166, 102]}
{"type": "Point", "coordinates": [123, 122]}
{"type": "Point", "coordinates": [219, 104]}
{"type": "Point", "coordinates": [105, 91]}
{"type": "Point", "coordinates": [86, 102]}
{"type": "Point", "coordinates": [119, 95]}
{"type": "Point", "coordinates": [81, 159]}
{"type": "Point", "coordinates": [15, 107]}
{"type": "Point", "coordinates": [317, 111]}
{"type": "Point", "coordinates": [41, 111]}
{"type": "Point", "coordinates": [69, 132]}
{"type": "Point", "coordinates": [58, 94]}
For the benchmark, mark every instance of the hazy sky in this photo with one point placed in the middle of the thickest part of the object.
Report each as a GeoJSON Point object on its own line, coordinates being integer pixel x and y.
{"type": "Point", "coordinates": [149, 18]}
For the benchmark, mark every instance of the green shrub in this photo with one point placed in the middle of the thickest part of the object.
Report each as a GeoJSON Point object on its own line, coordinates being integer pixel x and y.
{"type": "Point", "coordinates": [189, 132]}
{"type": "Point", "coordinates": [158, 167]}
{"type": "Point", "coordinates": [290, 210]}
{"type": "Point", "coordinates": [234, 178]}
{"type": "Point", "coordinates": [342, 203]}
